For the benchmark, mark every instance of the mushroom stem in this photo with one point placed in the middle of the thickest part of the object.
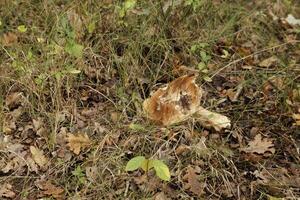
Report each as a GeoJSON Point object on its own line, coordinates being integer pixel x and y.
{"type": "Point", "coordinates": [211, 119]}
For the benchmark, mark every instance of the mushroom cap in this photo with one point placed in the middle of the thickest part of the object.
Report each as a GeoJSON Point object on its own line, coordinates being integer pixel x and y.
{"type": "Point", "coordinates": [175, 102]}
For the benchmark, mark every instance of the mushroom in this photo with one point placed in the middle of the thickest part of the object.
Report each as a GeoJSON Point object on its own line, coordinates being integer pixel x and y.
{"type": "Point", "coordinates": [178, 101]}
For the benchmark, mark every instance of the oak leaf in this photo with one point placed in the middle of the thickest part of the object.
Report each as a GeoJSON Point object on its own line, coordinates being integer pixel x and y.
{"type": "Point", "coordinates": [38, 156]}
{"type": "Point", "coordinates": [6, 191]}
{"type": "Point", "coordinates": [192, 181]}
{"type": "Point", "coordinates": [78, 142]}
{"type": "Point", "coordinates": [259, 145]}
{"type": "Point", "coordinates": [49, 189]}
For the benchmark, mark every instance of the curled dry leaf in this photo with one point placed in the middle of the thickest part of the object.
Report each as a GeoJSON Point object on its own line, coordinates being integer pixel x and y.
{"type": "Point", "coordinates": [6, 191]}
{"type": "Point", "coordinates": [192, 181]}
{"type": "Point", "coordinates": [78, 142]}
{"type": "Point", "coordinates": [50, 190]}
{"type": "Point", "coordinates": [38, 156]}
{"type": "Point", "coordinates": [259, 145]}
{"type": "Point", "coordinates": [178, 101]}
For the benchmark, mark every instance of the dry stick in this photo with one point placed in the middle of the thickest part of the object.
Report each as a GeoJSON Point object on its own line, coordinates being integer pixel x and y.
{"type": "Point", "coordinates": [248, 56]}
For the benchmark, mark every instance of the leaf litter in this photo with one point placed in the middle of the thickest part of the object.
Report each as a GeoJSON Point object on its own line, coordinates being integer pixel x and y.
{"type": "Point", "coordinates": [77, 142]}
{"type": "Point", "coordinates": [266, 99]}
{"type": "Point", "coordinates": [259, 145]}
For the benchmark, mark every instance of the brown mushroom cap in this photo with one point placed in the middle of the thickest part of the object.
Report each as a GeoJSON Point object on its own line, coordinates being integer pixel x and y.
{"type": "Point", "coordinates": [175, 102]}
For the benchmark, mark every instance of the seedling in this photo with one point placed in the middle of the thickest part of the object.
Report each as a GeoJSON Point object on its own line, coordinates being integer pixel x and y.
{"type": "Point", "coordinates": [161, 169]}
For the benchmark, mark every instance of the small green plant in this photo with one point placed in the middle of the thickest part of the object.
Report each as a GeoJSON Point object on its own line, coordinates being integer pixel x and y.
{"type": "Point", "coordinates": [79, 174]}
{"type": "Point", "coordinates": [161, 169]}
{"type": "Point", "coordinates": [205, 58]}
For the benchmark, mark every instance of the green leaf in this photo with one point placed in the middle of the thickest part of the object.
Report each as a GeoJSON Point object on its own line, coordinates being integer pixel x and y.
{"type": "Point", "coordinates": [207, 79]}
{"type": "Point", "coordinates": [22, 28]}
{"type": "Point", "coordinates": [203, 55]}
{"type": "Point", "coordinates": [129, 4]}
{"type": "Point", "coordinates": [134, 163]}
{"type": "Point", "coordinates": [91, 27]}
{"type": "Point", "coordinates": [74, 49]}
{"type": "Point", "coordinates": [161, 169]}
{"type": "Point", "coordinates": [194, 48]}
{"type": "Point", "coordinates": [201, 66]}
{"type": "Point", "coordinates": [136, 127]}
{"type": "Point", "coordinates": [205, 71]}
{"type": "Point", "coordinates": [225, 54]}
{"type": "Point", "coordinates": [73, 71]}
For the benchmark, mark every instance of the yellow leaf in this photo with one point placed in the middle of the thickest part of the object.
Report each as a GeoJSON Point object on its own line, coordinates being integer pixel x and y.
{"type": "Point", "coordinates": [38, 156]}
{"type": "Point", "coordinates": [78, 142]}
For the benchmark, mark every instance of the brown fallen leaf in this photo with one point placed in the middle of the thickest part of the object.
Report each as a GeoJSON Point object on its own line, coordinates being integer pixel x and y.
{"type": "Point", "coordinates": [38, 156]}
{"type": "Point", "coordinates": [49, 189]}
{"type": "Point", "coordinates": [6, 191]}
{"type": "Point", "coordinates": [269, 62]}
{"type": "Point", "coordinates": [296, 117]}
{"type": "Point", "coordinates": [179, 70]}
{"type": "Point", "coordinates": [192, 181]}
{"type": "Point", "coordinates": [78, 142]}
{"type": "Point", "coordinates": [161, 196]}
{"type": "Point", "coordinates": [8, 39]}
{"type": "Point", "coordinates": [277, 177]}
{"type": "Point", "coordinates": [178, 101]}
{"type": "Point", "coordinates": [259, 145]}
{"type": "Point", "coordinates": [13, 100]}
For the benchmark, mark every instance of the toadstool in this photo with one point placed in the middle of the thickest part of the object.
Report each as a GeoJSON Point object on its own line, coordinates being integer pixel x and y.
{"type": "Point", "coordinates": [180, 100]}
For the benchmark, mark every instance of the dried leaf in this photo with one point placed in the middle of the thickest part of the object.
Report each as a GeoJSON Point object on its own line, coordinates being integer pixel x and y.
{"type": "Point", "coordinates": [277, 177]}
{"type": "Point", "coordinates": [6, 191]}
{"type": "Point", "coordinates": [161, 196]}
{"type": "Point", "coordinates": [269, 62]}
{"type": "Point", "coordinates": [38, 156]}
{"type": "Point", "coordinates": [32, 165]}
{"type": "Point", "coordinates": [13, 99]}
{"type": "Point", "coordinates": [296, 117]}
{"type": "Point", "coordinates": [9, 39]}
{"type": "Point", "coordinates": [193, 184]}
{"type": "Point", "coordinates": [50, 190]}
{"type": "Point", "coordinates": [78, 142]}
{"type": "Point", "coordinates": [259, 145]}
{"type": "Point", "coordinates": [182, 149]}
{"type": "Point", "coordinates": [179, 70]}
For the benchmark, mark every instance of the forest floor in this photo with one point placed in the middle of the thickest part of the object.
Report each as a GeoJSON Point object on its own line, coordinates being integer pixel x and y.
{"type": "Point", "coordinates": [74, 75]}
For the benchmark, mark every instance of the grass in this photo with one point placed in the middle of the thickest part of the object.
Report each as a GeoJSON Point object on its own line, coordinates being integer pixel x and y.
{"type": "Point", "coordinates": [100, 91]}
